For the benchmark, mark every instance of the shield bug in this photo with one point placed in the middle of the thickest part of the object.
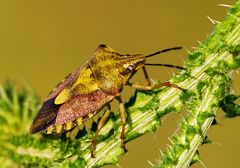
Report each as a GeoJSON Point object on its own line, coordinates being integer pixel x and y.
{"type": "Point", "coordinates": [84, 92]}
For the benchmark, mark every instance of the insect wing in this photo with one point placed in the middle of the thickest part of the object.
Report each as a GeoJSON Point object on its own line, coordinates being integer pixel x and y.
{"type": "Point", "coordinates": [48, 112]}
{"type": "Point", "coordinates": [82, 106]}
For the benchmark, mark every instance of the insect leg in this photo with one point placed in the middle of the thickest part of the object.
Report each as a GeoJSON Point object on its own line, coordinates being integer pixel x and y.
{"type": "Point", "coordinates": [99, 127]}
{"type": "Point", "coordinates": [146, 76]}
{"type": "Point", "coordinates": [73, 133]}
{"type": "Point", "coordinates": [123, 117]}
{"type": "Point", "coordinates": [145, 87]}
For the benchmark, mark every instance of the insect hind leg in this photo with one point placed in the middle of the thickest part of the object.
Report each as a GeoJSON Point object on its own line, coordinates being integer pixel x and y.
{"type": "Point", "coordinates": [99, 127]}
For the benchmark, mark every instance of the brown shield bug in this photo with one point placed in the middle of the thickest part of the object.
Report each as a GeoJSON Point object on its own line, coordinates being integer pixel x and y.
{"type": "Point", "coordinates": [84, 92]}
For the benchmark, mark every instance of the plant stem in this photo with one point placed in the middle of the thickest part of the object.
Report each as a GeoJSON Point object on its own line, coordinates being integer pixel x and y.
{"type": "Point", "coordinates": [206, 80]}
{"type": "Point", "coordinates": [221, 58]}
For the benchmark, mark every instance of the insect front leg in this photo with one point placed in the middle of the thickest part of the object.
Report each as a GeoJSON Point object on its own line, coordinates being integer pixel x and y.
{"type": "Point", "coordinates": [146, 87]}
{"type": "Point", "coordinates": [99, 127]}
{"type": "Point", "coordinates": [146, 76]}
{"type": "Point", "coordinates": [123, 117]}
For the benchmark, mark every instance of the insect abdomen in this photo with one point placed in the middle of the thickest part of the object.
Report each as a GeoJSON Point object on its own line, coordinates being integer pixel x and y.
{"type": "Point", "coordinates": [56, 129]}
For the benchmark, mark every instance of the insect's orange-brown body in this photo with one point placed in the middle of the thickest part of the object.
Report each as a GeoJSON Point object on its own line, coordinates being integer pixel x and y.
{"type": "Point", "coordinates": [88, 89]}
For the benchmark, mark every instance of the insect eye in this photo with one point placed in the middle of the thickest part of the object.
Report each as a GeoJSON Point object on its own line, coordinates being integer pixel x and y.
{"type": "Point", "coordinates": [131, 68]}
{"type": "Point", "coordinates": [127, 70]}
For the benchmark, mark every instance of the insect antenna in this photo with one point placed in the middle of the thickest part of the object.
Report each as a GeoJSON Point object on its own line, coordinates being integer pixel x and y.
{"type": "Point", "coordinates": [164, 50]}
{"type": "Point", "coordinates": [166, 65]}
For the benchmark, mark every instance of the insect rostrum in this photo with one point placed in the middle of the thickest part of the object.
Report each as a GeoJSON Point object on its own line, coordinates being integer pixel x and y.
{"type": "Point", "coordinates": [84, 92]}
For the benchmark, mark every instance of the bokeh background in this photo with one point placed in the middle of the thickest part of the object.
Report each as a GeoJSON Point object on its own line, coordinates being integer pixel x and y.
{"type": "Point", "coordinates": [42, 41]}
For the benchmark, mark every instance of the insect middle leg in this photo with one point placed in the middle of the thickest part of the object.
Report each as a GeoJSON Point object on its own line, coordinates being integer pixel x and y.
{"type": "Point", "coordinates": [146, 87]}
{"type": "Point", "coordinates": [123, 117]}
{"type": "Point", "coordinates": [99, 127]}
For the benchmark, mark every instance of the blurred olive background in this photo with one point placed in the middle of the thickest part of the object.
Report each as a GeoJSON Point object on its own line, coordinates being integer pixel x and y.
{"type": "Point", "coordinates": [42, 41]}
